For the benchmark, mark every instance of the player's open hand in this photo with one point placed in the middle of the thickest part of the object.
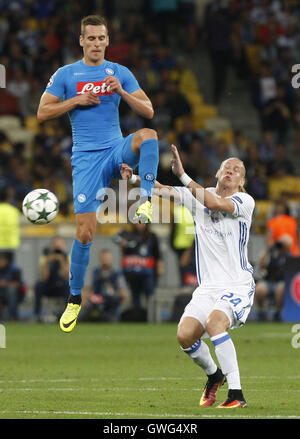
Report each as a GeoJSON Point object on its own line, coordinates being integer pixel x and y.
{"type": "Point", "coordinates": [176, 164]}
{"type": "Point", "coordinates": [88, 98]}
{"type": "Point", "coordinates": [125, 171]}
{"type": "Point", "coordinates": [113, 84]}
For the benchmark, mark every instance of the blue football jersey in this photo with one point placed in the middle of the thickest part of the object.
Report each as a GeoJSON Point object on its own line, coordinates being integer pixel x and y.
{"type": "Point", "coordinates": [95, 126]}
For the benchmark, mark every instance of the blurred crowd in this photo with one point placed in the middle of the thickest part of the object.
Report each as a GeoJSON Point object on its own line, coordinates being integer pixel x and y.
{"type": "Point", "coordinates": [259, 40]}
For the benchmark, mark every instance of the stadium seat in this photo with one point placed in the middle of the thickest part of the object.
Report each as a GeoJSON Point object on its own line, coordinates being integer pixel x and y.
{"type": "Point", "coordinates": [227, 136]}
{"type": "Point", "coordinates": [32, 124]}
{"type": "Point", "coordinates": [217, 125]}
{"type": "Point", "coordinates": [260, 217]}
{"type": "Point", "coordinates": [179, 123]}
{"type": "Point", "coordinates": [195, 99]}
{"type": "Point", "coordinates": [253, 56]}
{"type": "Point", "coordinates": [8, 123]}
{"type": "Point", "coordinates": [205, 111]}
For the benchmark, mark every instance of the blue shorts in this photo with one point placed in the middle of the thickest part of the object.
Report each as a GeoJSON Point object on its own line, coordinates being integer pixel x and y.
{"type": "Point", "coordinates": [94, 170]}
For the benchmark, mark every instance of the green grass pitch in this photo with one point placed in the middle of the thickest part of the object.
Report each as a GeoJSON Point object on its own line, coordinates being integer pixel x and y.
{"type": "Point", "coordinates": [137, 371]}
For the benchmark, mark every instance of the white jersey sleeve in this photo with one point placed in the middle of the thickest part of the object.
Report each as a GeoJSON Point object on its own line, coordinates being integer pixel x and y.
{"type": "Point", "coordinates": [243, 205]}
{"type": "Point", "coordinates": [187, 199]}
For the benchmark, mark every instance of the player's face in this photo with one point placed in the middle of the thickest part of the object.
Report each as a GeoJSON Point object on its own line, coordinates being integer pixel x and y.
{"type": "Point", "coordinates": [231, 174]}
{"type": "Point", "coordinates": [94, 42]}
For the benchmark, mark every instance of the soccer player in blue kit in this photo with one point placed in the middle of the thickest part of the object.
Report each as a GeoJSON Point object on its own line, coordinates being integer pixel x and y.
{"type": "Point", "coordinates": [91, 89]}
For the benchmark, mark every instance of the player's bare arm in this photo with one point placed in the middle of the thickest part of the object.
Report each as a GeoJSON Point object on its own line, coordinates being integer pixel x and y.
{"type": "Point", "coordinates": [200, 193]}
{"type": "Point", "coordinates": [138, 100]}
{"type": "Point", "coordinates": [50, 107]}
{"type": "Point", "coordinates": [160, 190]}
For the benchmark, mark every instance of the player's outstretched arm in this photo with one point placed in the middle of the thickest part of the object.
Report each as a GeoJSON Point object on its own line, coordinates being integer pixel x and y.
{"type": "Point", "coordinates": [159, 190]}
{"type": "Point", "coordinates": [50, 107]}
{"type": "Point", "coordinates": [200, 193]}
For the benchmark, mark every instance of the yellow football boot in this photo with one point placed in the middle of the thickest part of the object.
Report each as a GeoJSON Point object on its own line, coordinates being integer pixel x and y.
{"type": "Point", "coordinates": [69, 318]}
{"type": "Point", "coordinates": [144, 213]}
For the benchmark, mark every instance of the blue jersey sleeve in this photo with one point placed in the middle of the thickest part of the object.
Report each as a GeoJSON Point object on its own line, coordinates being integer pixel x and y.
{"type": "Point", "coordinates": [128, 80]}
{"type": "Point", "coordinates": [56, 84]}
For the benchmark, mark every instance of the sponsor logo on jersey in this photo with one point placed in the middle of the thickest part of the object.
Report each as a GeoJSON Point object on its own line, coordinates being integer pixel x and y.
{"type": "Point", "coordinates": [295, 288]}
{"type": "Point", "coordinates": [109, 71]}
{"type": "Point", "coordinates": [98, 87]}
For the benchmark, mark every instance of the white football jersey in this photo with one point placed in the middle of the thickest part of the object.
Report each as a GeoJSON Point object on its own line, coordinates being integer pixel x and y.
{"type": "Point", "coordinates": [221, 240]}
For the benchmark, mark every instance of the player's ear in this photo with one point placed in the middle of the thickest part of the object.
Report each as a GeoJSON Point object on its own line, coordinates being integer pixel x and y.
{"type": "Point", "coordinates": [217, 174]}
{"type": "Point", "coordinates": [81, 40]}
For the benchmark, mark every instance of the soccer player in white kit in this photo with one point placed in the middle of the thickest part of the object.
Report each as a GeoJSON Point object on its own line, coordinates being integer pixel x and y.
{"type": "Point", "coordinates": [222, 217]}
{"type": "Point", "coordinates": [223, 299]}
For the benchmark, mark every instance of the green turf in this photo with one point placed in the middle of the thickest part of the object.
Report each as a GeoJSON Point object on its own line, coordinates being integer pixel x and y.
{"type": "Point", "coordinates": [137, 371]}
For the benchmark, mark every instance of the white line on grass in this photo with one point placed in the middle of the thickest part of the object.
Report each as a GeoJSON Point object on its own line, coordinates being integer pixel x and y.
{"type": "Point", "coordinates": [124, 389]}
{"type": "Point", "coordinates": [150, 415]}
{"type": "Point", "coordinates": [66, 380]}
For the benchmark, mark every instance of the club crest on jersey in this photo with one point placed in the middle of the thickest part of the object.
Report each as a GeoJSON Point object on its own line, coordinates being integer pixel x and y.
{"type": "Point", "coordinates": [98, 87]}
{"type": "Point", "coordinates": [81, 198]}
{"type": "Point", "coordinates": [50, 82]}
{"type": "Point", "coordinates": [109, 71]}
{"type": "Point", "coordinates": [149, 176]}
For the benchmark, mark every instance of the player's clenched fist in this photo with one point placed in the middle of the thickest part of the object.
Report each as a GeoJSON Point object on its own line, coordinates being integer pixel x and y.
{"type": "Point", "coordinates": [88, 98]}
{"type": "Point", "coordinates": [113, 84]}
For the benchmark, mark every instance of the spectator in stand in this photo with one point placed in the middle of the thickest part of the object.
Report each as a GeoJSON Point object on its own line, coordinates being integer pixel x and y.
{"type": "Point", "coordinates": [19, 87]}
{"type": "Point", "coordinates": [276, 115]}
{"type": "Point", "coordinates": [177, 103]}
{"type": "Point", "coordinates": [282, 223]}
{"type": "Point", "coordinates": [263, 86]}
{"type": "Point", "coordinates": [108, 291]}
{"type": "Point", "coordinates": [54, 274]}
{"type": "Point", "coordinates": [162, 117]}
{"type": "Point", "coordinates": [281, 162]}
{"type": "Point", "coordinates": [271, 284]}
{"type": "Point", "coordinates": [267, 147]}
{"type": "Point", "coordinates": [238, 146]}
{"type": "Point", "coordinates": [257, 186]}
{"type": "Point", "coordinates": [12, 288]}
{"type": "Point", "coordinates": [141, 261]}
{"type": "Point", "coordinates": [271, 26]}
{"type": "Point", "coordinates": [9, 221]}
{"type": "Point", "coordinates": [252, 161]}
{"type": "Point", "coordinates": [217, 33]}
{"type": "Point", "coordinates": [187, 134]}
{"type": "Point", "coordinates": [187, 265]}
{"type": "Point", "coordinates": [182, 238]}
{"type": "Point", "coordinates": [119, 48]}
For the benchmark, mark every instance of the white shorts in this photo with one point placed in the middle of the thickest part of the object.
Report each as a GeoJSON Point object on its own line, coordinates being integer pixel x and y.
{"type": "Point", "coordinates": [235, 302]}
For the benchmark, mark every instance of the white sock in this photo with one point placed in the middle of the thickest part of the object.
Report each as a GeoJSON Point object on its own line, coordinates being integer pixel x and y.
{"type": "Point", "coordinates": [226, 355]}
{"type": "Point", "coordinates": [200, 354]}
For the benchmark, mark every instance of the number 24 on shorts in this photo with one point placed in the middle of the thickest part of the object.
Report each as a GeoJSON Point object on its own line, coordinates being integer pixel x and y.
{"type": "Point", "coordinates": [228, 296]}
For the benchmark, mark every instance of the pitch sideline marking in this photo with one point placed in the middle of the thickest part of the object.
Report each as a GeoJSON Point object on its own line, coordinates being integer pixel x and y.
{"type": "Point", "coordinates": [164, 415]}
{"type": "Point", "coordinates": [65, 380]}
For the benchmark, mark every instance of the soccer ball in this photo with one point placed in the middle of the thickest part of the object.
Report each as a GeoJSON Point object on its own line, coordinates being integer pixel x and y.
{"type": "Point", "coordinates": [40, 206]}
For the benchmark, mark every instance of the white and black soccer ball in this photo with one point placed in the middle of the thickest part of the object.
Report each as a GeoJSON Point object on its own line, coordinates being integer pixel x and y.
{"type": "Point", "coordinates": [40, 206]}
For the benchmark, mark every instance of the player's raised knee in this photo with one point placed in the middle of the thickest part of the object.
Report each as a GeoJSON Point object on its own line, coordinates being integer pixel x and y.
{"type": "Point", "coordinates": [147, 134]}
{"type": "Point", "coordinates": [185, 337]}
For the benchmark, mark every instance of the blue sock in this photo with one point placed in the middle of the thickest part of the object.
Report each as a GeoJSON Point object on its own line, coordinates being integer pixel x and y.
{"type": "Point", "coordinates": [80, 257]}
{"type": "Point", "coordinates": [148, 164]}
